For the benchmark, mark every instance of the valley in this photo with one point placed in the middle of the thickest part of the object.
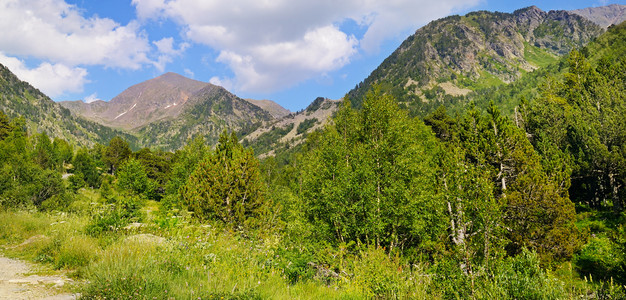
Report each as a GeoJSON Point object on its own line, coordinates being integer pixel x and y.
{"type": "Point", "coordinates": [484, 158]}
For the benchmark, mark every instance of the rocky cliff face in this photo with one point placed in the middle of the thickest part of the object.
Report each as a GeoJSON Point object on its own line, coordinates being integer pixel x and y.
{"type": "Point", "coordinates": [604, 16]}
{"type": "Point", "coordinates": [453, 56]}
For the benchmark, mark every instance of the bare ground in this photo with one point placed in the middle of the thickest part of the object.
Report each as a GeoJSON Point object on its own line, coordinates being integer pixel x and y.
{"type": "Point", "coordinates": [17, 283]}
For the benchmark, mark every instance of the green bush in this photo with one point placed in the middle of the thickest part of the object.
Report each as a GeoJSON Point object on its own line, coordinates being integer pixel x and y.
{"type": "Point", "coordinates": [113, 217]}
{"type": "Point", "coordinates": [60, 202]}
{"type": "Point", "coordinates": [599, 258]}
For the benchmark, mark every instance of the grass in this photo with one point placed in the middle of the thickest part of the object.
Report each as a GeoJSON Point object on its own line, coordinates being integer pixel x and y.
{"type": "Point", "coordinates": [537, 56]}
{"type": "Point", "coordinates": [187, 260]}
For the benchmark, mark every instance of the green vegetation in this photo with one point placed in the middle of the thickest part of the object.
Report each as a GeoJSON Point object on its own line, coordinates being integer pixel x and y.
{"type": "Point", "coordinates": [537, 56]}
{"type": "Point", "coordinates": [306, 125]}
{"type": "Point", "coordinates": [485, 203]}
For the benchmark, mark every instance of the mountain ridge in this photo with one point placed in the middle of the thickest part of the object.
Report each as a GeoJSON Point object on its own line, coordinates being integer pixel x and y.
{"type": "Point", "coordinates": [452, 56]}
{"type": "Point", "coordinates": [20, 99]}
{"type": "Point", "coordinates": [160, 98]}
{"type": "Point", "coordinates": [604, 16]}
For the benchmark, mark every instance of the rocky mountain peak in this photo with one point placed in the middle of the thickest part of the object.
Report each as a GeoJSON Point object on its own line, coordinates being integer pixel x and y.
{"type": "Point", "coordinates": [450, 57]}
{"type": "Point", "coordinates": [604, 16]}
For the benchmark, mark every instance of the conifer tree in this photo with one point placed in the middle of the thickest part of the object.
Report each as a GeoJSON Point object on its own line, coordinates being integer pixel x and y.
{"type": "Point", "coordinates": [226, 185]}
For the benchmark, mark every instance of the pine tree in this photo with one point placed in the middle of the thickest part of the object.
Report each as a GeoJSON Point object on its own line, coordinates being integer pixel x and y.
{"type": "Point", "coordinates": [116, 153]}
{"type": "Point", "coordinates": [226, 185]}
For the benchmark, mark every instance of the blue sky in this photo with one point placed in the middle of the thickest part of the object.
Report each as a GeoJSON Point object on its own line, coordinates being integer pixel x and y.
{"type": "Point", "coordinates": [283, 50]}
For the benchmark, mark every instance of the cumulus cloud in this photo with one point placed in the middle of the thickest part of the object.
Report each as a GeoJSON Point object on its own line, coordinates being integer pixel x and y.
{"type": "Point", "coordinates": [64, 41]}
{"type": "Point", "coordinates": [52, 79]}
{"type": "Point", "coordinates": [167, 52]}
{"type": "Point", "coordinates": [274, 44]}
{"type": "Point", "coordinates": [56, 31]}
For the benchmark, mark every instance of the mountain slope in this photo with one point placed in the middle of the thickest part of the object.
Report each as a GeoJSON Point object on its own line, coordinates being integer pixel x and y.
{"type": "Point", "coordinates": [168, 110]}
{"type": "Point", "coordinates": [18, 98]}
{"type": "Point", "coordinates": [448, 58]}
{"type": "Point", "coordinates": [271, 107]}
{"type": "Point", "coordinates": [207, 113]}
{"type": "Point", "coordinates": [158, 98]}
{"type": "Point", "coordinates": [604, 16]}
{"type": "Point", "coordinates": [291, 130]}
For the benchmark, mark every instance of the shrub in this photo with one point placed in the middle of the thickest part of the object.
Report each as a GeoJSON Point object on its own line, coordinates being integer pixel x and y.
{"type": "Point", "coordinates": [599, 258]}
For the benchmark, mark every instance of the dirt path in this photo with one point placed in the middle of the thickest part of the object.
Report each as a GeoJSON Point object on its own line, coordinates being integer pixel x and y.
{"type": "Point", "coordinates": [16, 284]}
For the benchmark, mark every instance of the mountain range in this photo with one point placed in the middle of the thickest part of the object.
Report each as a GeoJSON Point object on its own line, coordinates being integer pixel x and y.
{"type": "Point", "coordinates": [446, 61]}
{"type": "Point", "coordinates": [453, 56]}
{"type": "Point", "coordinates": [41, 114]}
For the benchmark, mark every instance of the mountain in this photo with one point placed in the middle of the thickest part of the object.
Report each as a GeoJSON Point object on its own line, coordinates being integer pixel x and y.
{"type": "Point", "coordinates": [604, 16]}
{"type": "Point", "coordinates": [290, 130]}
{"type": "Point", "coordinates": [20, 99]}
{"type": "Point", "coordinates": [206, 113]}
{"type": "Point", "coordinates": [152, 100]}
{"type": "Point", "coordinates": [451, 57]}
{"type": "Point", "coordinates": [168, 110]}
{"type": "Point", "coordinates": [271, 107]}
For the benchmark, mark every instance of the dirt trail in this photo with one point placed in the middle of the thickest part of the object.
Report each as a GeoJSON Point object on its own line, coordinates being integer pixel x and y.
{"type": "Point", "coordinates": [16, 284]}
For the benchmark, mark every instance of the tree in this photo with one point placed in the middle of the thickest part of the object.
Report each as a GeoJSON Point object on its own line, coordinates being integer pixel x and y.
{"type": "Point", "coordinates": [185, 161]}
{"type": "Point", "coordinates": [63, 151]}
{"type": "Point", "coordinates": [157, 165]}
{"type": "Point", "coordinates": [580, 122]}
{"type": "Point", "coordinates": [44, 155]}
{"type": "Point", "coordinates": [536, 210]}
{"type": "Point", "coordinates": [226, 185]}
{"type": "Point", "coordinates": [85, 165]}
{"type": "Point", "coordinates": [5, 126]}
{"type": "Point", "coordinates": [132, 177]}
{"type": "Point", "coordinates": [116, 153]}
{"type": "Point", "coordinates": [362, 182]}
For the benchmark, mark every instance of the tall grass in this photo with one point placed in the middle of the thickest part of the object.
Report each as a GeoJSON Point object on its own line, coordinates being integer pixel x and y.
{"type": "Point", "coordinates": [191, 261]}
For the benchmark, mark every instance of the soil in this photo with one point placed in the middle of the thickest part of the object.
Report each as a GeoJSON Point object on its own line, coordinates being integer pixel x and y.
{"type": "Point", "coordinates": [18, 283]}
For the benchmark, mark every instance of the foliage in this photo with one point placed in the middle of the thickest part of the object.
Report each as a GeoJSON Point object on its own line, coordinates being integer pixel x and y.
{"type": "Point", "coordinates": [226, 185]}
{"type": "Point", "coordinates": [84, 166]}
{"type": "Point", "coordinates": [116, 153]}
{"type": "Point", "coordinates": [114, 216]}
{"type": "Point", "coordinates": [306, 125]}
{"type": "Point", "coordinates": [361, 183]}
{"type": "Point", "coordinates": [132, 177]}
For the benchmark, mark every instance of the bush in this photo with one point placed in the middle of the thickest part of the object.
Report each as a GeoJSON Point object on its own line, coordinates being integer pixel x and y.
{"type": "Point", "coordinates": [76, 181]}
{"type": "Point", "coordinates": [60, 202]}
{"type": "Point", "coordinates": [599, 258]}
{"type": "Point", "coordinates": [113, 217]}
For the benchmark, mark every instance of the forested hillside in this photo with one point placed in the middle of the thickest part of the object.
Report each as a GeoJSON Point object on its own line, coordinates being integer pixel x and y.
{"type": "Point", "coordinates": [450, 58]}
{"type": "Point", "coordinates": [481, 203]}
{"type": "Point", "coordinates": [41, 114]}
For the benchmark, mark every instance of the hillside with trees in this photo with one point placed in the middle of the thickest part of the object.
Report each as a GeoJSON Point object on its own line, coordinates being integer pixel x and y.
{"type": "Point", "coordinates": [477, 202]}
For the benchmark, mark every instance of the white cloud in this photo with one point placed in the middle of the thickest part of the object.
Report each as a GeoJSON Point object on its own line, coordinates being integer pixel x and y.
{"type": "Point", "coordinates": [189, 73]}
{"type": "Point", "coordinates": [91, 98]}
{"type": "Point", "coordinates": [52, 79]}
{"type": "Point", "coordinates": [223, 82]}
{"type": "Point", "coordinates": [272, 66]}
{"type": "Point", "coordinates": [273, 44]}
{"type": "Point", "coordinates": [167, 52]}
{"type": "Point", "coordinates": [55, 31]}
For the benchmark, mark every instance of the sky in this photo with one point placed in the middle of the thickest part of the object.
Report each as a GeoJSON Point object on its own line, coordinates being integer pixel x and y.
{"type": "Point", "coordinates": [288, 51]}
